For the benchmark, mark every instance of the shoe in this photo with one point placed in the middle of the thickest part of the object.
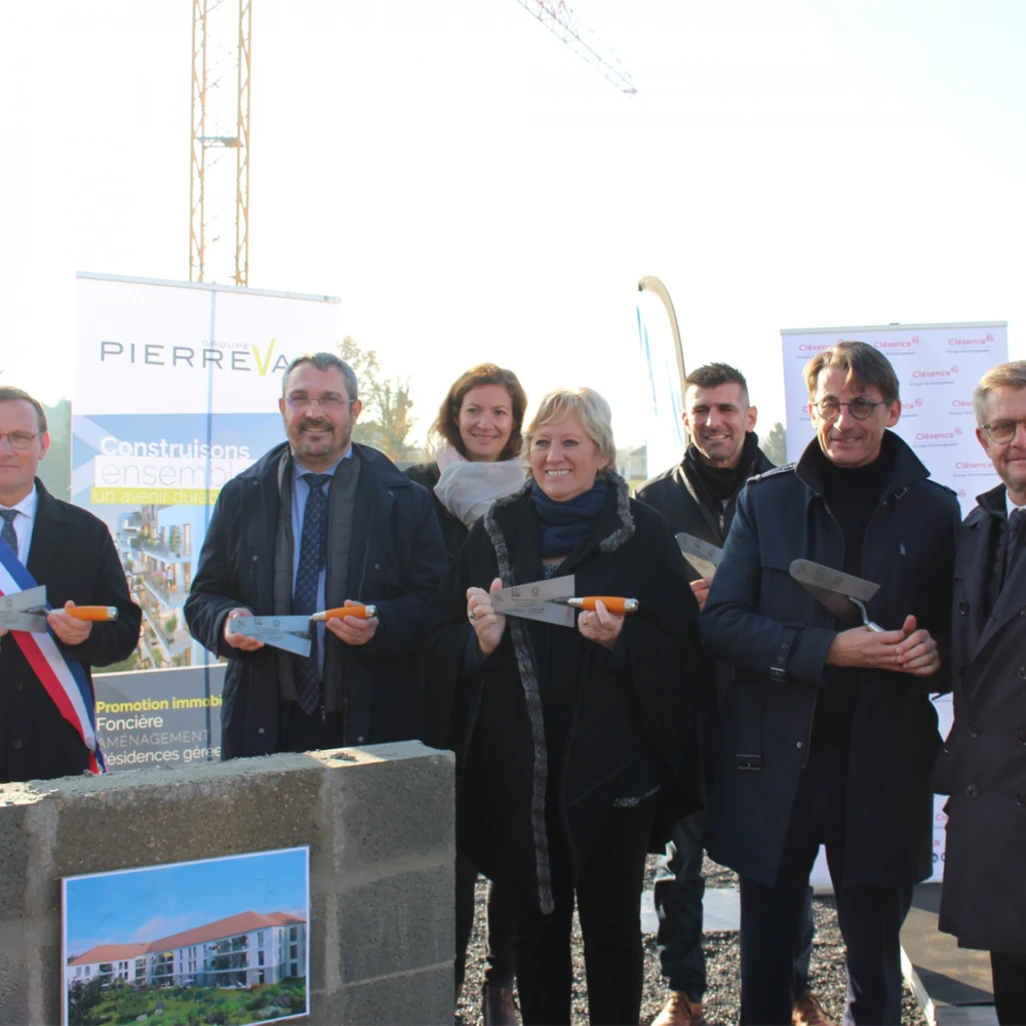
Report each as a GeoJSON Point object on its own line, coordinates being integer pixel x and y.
{"type": "Point", "coordinates": [808, 1011]}
{"type": "Point", "coordinates": [498, 1007]}
{"type": "Point", "coordinates": [679, 1010]}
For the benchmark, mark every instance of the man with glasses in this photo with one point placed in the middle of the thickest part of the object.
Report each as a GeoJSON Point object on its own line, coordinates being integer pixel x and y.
{"type": "Point", "coordinates": [828, 734]}
{"type": "Point", "coordinates": [983, 763]}
{"type": "Point", "coordinates": [316, 523]}
{"type": "Point", "coordinates": [44, 541]}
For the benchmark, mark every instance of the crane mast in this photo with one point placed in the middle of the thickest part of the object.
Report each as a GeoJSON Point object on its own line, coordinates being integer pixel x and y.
{"type": "Point", "coordinates": [219, 190]}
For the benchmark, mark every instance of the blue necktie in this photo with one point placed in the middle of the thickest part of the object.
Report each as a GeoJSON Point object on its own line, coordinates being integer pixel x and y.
{"type": "Point", "coordinates": [1018, 515]}
{"type": "Point", "coordinates": [312, 552]}
{"type": "Point", "coordinates": [8, 534]}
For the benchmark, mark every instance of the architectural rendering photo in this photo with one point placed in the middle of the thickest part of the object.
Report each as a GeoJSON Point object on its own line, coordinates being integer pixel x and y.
{"type": "Point", "coordinates": [155, 942]}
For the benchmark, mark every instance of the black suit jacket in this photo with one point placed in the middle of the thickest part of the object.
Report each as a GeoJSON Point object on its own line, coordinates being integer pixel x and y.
{"type": "Point", "coordinates": [983, 762]}
{"type": "Point", "coordinates": [73, 555]}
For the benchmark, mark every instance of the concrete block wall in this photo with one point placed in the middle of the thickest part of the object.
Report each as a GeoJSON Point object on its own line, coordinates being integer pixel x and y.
{"type": "Point", "coordinates": [379, 823]}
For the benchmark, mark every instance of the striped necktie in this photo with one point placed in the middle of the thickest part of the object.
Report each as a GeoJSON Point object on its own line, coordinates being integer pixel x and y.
{"type": "Point", "coordinates": [1015, 519]}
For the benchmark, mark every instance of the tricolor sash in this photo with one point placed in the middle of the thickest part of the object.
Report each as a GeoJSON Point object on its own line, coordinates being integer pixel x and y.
{"type": "Point", "coordinates": [63, 676]}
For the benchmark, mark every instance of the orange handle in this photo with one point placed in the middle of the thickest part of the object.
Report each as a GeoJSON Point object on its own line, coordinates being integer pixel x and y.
{"type": "Point", "coordinates": [613, 603]}
{"type": "Point", "coordinates": [98, 614]}
{"type": "Point", "coordinates": [362, 612]}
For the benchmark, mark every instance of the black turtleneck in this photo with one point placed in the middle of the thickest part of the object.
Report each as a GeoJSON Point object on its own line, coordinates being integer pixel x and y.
{"type": "Point", "coordinates": [851, 494]}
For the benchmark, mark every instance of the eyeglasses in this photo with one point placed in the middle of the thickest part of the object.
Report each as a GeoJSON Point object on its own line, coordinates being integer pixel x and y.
{"type": "Point", "coordinates": [860, 407]}
{"type": "Point", "coordinates": [18, 439]}
{"type": "Point", "coordinates": [1002, 431]}
{"type": "Point", "coordinates": [326, 402]}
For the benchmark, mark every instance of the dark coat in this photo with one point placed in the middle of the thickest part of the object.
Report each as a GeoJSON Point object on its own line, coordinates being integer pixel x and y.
{"type": "Point", "coordinates": [983, 763]}
{"type": "Point", "coordinates": [73, 555]}
{"type": "Point", "coordinates": [778, 636]}
{"type": "Point", "coordinates": [681, 497]}
{"type": "Point", "coordinates": [628, 707]}
{"type": "Point", "coordinates": [454, 531]}
{"type": "Point", "coordinates": [395, 560]}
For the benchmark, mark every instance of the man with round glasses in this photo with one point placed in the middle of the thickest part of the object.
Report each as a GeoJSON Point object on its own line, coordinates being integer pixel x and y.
{"type": "Point", "coordinates": [983, 763]}
{"type": "Point", "coordinates": [44, 541]}
{"type": "Point", "coordinates": [827, 734]}
{"type": "Point", "coordinates": [317, 522]}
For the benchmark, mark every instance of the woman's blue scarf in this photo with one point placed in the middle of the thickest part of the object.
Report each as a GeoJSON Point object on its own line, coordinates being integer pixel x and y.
{"type": "Point", "coordinates": [564, 524]}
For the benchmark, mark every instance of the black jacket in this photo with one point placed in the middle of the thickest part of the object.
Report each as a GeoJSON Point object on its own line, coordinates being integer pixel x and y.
{"type": "Point", "coordinates": [395, 560]}
{"type": "Point", "coordinates": [777, 635]}
{"type": "Point", "coordinates": [983, 764]}
{"type": "Point", "coordinates": [628, 711]}
{"type": "Point", "coordinates": [454, 531]}
{"type": "Point", "coordinates": [682, 497]}
{"type": "Point", "coordinates": [73, 555]}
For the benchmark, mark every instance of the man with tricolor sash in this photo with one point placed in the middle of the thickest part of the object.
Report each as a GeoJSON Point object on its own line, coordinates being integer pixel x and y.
{"type": "Point", "coordinates": [47, 713]}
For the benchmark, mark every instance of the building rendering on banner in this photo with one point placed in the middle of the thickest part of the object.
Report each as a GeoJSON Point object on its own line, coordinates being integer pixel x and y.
{"type": "Point", "coordinates": [240, 951]}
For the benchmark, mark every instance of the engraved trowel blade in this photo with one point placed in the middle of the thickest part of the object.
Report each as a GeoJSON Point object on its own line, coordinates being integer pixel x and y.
{"type": "Point", "coordinates": [534, 601]}
{"type": "Point", "coordinates": [703, 556]}
{"type": "Point", "coordinates": [832, 587]}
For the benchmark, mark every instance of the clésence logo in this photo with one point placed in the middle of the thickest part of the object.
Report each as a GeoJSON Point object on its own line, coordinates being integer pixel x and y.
{"type": "Point", "coordinates": [230, 356]}
{"type": "Point", "coordinates": [946, 372]}
{"type": "Point", "coordinates": [986, 340]}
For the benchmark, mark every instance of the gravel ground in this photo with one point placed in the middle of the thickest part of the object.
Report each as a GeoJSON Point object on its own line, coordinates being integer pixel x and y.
{"type": "Point", "coordinates": [722, 966]}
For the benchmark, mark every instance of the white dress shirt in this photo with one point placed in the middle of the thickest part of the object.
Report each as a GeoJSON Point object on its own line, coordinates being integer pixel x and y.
{"type": "Point", "coordinates": [24, 522]}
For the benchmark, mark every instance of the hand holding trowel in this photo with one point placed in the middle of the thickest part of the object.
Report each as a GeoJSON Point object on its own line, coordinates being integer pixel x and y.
{"type": "Point", "coordinates": [551, 601]}
{"type": "Point", "coordinates": [705, 558]}
{"type": "Point", "coordinates": [27, 611]}
{"type": "Point", "coordinates": [291, 633]}
{"type": "Point", "coordinates": [908, 650]}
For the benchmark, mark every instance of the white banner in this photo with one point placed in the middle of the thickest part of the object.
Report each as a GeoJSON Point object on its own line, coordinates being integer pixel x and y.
{"type": "Point", "coordinates": [938, 366]}
{"type": "Point", "coordinates": [176, 392]}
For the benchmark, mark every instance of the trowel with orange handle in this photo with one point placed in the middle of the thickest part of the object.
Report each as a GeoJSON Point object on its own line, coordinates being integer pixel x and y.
{"type": "Point", "coordinates": [27, 610]}
{"type": "Point", "coordinates": [292, 633]}
{"type": "Point", "coordinates": [554, 601]}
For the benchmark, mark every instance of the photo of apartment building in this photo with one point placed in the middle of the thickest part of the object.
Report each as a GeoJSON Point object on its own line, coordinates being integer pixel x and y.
{"type": "Point", "coordinates": [240, 951]}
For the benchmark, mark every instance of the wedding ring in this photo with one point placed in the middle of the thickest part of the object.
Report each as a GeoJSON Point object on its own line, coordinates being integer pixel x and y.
{"type": "Point", "coordinates": [584, 621]}
{"type": "Point", "coordinates": [470, 614]}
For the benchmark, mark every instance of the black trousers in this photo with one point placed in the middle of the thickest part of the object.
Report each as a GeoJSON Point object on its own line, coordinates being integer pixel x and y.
{"type": "Point", "coordinates": [500, 949]}
{"type": "Point", "coordinates": [608, 893]}
{"type": "Point", "coordinates": [1009, 972]}
{"type": "Point", "coordinates": [772, 918]}
{"type": "Point", "coordinates": [678, 892]}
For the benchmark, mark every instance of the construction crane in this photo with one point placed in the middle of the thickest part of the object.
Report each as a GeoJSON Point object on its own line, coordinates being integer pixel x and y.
{"type": "Point", "coordinates": [561, 21]}
{"type": "Point", "coordinates": [221, 35]}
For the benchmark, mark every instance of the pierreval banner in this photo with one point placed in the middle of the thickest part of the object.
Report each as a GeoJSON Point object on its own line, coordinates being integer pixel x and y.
{"type": "Point", "coordinates": [176, 391]}
{"type": "Point", "coordinates": [938, 366]}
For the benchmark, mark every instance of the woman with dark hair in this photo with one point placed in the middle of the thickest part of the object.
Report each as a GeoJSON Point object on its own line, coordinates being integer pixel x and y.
{"type": "Point", "coordinates": [570, 734]}
{"type": "Point", "coordinates": [478, 439]}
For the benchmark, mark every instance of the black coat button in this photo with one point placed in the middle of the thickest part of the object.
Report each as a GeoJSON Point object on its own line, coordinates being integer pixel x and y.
{"type": "Point", "coordinates": [1021, 737]}
{"type": "Point", "coordinates": [1021, 797]}
{"type": "Point", "coordinates": [16, 744]}
{"type": "Point", "coordinates": [974, 730]}
{"type": "Point", "coordinates": [972, 790]}
{"type": "Point", "coordinates": [1022, 673]}
{"type": "Point", "coordinates": [19, 685]}
{"type": "Point", "coordinates": [963, 607]}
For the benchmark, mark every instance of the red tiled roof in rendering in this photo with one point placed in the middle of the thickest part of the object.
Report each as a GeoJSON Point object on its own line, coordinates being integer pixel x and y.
{"type": "Point", "coordinates": [244, 922]}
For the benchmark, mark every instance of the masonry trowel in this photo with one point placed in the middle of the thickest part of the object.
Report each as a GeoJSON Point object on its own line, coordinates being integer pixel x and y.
{"type": "Point", "coordinates": [836, 590]}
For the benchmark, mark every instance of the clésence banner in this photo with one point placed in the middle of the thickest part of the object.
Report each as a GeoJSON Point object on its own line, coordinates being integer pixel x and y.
{"type": "Point", "coordinates": [176, 391]}
{"type": "Point", "coordinates": [938, 367]}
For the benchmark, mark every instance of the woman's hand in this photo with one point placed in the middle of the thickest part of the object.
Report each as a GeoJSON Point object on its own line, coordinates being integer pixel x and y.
{"type": "Point", "coordinates": [601, 626]}
{"type": "Point", "coordinates": [488, 624]}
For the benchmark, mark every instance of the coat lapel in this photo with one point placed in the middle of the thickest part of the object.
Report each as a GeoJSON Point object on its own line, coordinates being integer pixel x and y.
{"type": "Point", "coordinates": [1011, 602]}
{"type": "Point", "coordinates": [973, 569]}
{"type": "Point", "coordinates": [45, 550]}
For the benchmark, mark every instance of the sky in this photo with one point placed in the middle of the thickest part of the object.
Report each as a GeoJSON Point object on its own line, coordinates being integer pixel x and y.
{"type": "Point", "coordinates": [146, 904]}
{"type": "Point", "coordinates": [472, 190]}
